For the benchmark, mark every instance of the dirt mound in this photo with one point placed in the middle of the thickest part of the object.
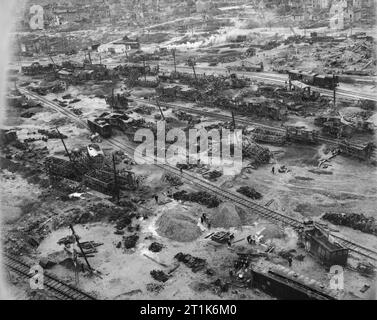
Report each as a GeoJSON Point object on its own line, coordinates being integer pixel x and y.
{"type": "Point", "coordinates": [273, 232]}
{"type": "Point", "coordinates": [226, 217]}
{"type": "Point", "coordinates": [178, 227]}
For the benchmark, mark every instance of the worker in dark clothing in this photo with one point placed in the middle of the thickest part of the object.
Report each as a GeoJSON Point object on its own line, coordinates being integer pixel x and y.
{"type": "Point", "coordinates": [273, 170]}
{"type": "Point", "coordinates": [248, 239]}
{"type": "Point", "coordinates": [156, 198]}
{"type": "Point", "coordinates": [181, 170]}
{"type": "Point", "coordinates": [229, 243]}
{"type": "Point", "coordinates": [290, 261]}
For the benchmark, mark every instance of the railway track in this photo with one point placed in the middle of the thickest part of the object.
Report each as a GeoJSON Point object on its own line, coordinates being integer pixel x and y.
{"type": "Point", "coordinates": [58, 288]}
{"type": "Point", "coordinates": [357, 248]}
{"type": "Point", "coordinates": [280, 79]}
{"type": "Point", "coordinates": [205, 185]}
{"type": "Point", "coordinates": [215, 115]}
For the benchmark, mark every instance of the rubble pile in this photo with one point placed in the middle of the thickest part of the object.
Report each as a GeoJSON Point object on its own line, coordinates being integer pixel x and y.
{"type": "Point", "coordinates": [159, 275]}
{"type": "Point", "coordinates": [155, 247]}
{"type": "Point", "coordinates": [52, 134]}
{"type": "Point", "coordinates": [173, 179]}
{"type": "Point", "coordinates": [154, 287]}
{"type": "Point", "coordinates": [258, 154]}
{"type": "Point", "coordinates": [201, 197]}
{"type": "Point", "coordinates": [353, 220]}
{"type": "Point", "coordinates": [122, 216]}
{"type": "Point", "coordinates": [194, 263]}
{"type": "Point", "coordinates": [67, 186]}
{"type": "Point", "coordinates": [144, 110]}
{"type": "Point", "coordinates": [250, 192]}
{"type": "Point", "coordinates": [130, 241]}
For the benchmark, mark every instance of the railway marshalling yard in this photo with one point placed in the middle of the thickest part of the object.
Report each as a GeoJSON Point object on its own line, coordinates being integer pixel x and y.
{"type": "Point", "coordinates": [131, 243]}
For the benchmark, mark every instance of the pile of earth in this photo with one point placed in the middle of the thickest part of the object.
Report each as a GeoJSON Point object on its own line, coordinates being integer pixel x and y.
{"type": "Point", "coordinates": [178, 226]}
{"type": "Point", "coordinates": [226, 216]}
{"type": "Point", "coordinates": [272, 231]}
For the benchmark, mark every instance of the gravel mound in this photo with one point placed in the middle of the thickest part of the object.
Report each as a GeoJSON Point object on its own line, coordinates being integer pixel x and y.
{"type": "Point", "coordinates": [178, 226]}
{"type": "Point", "coordinates": [226, 217]}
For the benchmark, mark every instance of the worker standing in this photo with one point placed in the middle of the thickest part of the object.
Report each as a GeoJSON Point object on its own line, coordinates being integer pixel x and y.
{"type": "Point", "coordinates": [273, 170]}
{"type": "Point", "coordinates": [290, 261]}
{"type": "Point", "coordinates": [156, 198]}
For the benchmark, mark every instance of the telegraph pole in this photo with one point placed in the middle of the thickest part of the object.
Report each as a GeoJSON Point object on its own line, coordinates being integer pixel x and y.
{"type": "Point", "coordinates": [79, 245]}
{"type": "Point", "coordinates": [65, 147]}
{"type": "Point", "coordinates": [116, 188]}
{"type": "Point", "coordinates": [175, 64]}
{"type": "Point", "coordinates": [334, 87]}
{"type": "Point", "coordinates": [145, 71]}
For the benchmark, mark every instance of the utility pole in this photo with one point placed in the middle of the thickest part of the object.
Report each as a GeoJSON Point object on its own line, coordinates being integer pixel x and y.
{"type": "Point", "coordinates": [233, 121]}
{"type": "Point", "coordinates": [65, 147]}
{"type": "Point", "coordinates": [145, 71]}
{"type": "Point", "coordinates": [159, 107]}
{"type": "Point", "coordinates": [334, 91]}
{"type": "Point", "coordinates": [175, 64]}
{"type": "Point", "coordinates": [116, 188]}
{"type": "Point", "coordinates": [79, 245]}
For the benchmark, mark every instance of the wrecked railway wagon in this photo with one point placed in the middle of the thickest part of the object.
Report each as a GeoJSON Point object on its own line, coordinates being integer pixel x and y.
{"type": "Point", "coordinates": [268, 136]}
{"type": "Point", "coordinates": [284, 283]}
{"type": "Point", "coordinates": [301, 134]}
{"type": "Point", "coordinates": [275, 111]}
{"type": "Point", "coordinates": [60, 167]}
{"type": "Point", "coordinates": [101, 127]}
{"type": "Point", "coordinates": [37, 69]}
{"type": "Point", "coordinates": [99, 180]}
{"type": "Point", "coordinates": [323, 81]}
{"type": "Point", "coordinates": [361, 152]}
{"type": "Point", "coordinates": [104, 181]}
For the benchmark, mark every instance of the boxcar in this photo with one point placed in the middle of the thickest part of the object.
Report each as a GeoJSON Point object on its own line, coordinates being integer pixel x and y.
{"type": "Point", "coordinates": [318, 243]}
{"type": "Point", "coordinates": [100, 126]}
